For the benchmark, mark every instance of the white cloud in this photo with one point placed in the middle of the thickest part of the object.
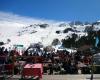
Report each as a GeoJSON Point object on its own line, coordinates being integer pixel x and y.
{"type": "Point", "coordinates": [11, 23]}
{"type": "Point", "coordinates": [11, 17]}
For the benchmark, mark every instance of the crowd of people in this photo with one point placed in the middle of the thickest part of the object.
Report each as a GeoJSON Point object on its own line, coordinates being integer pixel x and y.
{"type": "Point", "coordinates": [59, 62]}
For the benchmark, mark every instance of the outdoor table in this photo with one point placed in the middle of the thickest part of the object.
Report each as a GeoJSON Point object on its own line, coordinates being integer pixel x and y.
{"type": "Point", "coordinates": [33, 70]}
{"type": "Point", "coordinates": [9, 68]}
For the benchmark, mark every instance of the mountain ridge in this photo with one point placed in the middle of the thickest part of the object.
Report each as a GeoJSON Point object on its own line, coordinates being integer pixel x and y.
{"type": "Point", "coordinates": [44, 32]}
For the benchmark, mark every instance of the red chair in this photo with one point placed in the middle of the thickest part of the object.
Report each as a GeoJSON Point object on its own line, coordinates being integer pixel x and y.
{"type": "Point", "coordinates": [0, 69]}
{"type": "Point", "coordinates": [9, 69]}
{"type": "Point", "coordinates": [33, 70]}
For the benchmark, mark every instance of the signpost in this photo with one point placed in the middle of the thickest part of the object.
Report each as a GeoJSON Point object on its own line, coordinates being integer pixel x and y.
{"type": "Point", "coordinates": [92, 68]}
{"type": "Point", "coordinates": [92, 65]}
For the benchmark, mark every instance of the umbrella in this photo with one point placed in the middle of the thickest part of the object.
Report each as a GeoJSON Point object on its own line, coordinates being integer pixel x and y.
{"type": "Point", "coordinates": [97, 58]}
{"type": "Point", "coordinates": [36, 45]}
{"type": "Point", "coordinates": [49, 48]}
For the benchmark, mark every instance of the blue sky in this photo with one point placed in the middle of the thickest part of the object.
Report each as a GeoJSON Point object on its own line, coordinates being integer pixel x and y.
{"type": "Point", "coordinates": [61, 10]}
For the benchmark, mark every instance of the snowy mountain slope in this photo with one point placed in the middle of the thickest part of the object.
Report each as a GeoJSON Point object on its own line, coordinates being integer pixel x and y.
{"type": "Point", "coordinates": [9, 28]}
{"type": "Point", "coordinates": [22, 30]}
{"type": "Point", "coordinates": [23, 34]}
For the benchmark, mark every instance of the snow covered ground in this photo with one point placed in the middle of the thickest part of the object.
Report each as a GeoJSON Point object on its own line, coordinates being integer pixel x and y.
{"type": "Point", "coordinates": [20, 34]}
{"type": "Point", "coordinates": [24, 30]}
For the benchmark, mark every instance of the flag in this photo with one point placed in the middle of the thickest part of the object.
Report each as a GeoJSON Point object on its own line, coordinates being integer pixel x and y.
{"type": "Point", "coordinates": [97, 41]}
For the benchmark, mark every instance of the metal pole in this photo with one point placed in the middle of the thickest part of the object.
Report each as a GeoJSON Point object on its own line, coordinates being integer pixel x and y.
{"type": "Point", "coordinates": [92, 70]}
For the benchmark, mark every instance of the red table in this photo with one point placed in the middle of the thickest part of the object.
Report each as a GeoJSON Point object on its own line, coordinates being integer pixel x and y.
{"type": "Point", "coordinates": [33, 70]}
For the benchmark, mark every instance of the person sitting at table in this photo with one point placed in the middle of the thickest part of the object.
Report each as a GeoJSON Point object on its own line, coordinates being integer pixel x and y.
{"type": "Point", "coordinates": [50, 68]}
